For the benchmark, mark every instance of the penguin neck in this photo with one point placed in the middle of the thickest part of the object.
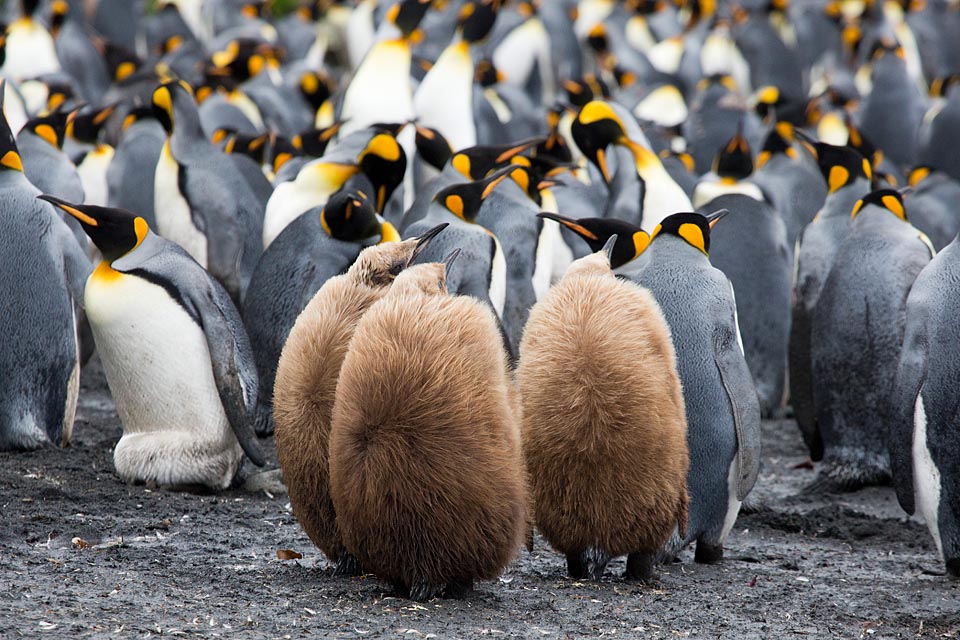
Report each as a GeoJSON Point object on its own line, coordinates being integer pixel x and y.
{"type": "Point", "coordinates": [841, 202]}
{"type": "Point", "coordinates": [668, 249]}
{"type": "Point", "coordinates": [187, 132]}
{"type": "Point", "coordinates": [104, 273]}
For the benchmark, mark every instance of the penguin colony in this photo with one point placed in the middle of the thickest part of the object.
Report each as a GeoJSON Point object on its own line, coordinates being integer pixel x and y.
{"type": "Point", "coordinates": [490, 266]}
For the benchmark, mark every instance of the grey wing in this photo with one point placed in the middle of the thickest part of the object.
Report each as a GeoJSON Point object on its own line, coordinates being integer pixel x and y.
{"type": "Point", "coordinates": [911, 374]}
{"type": "Point", "coordinates": [742, 393]}
{"type": "Point", "coordinates": [208, 303]}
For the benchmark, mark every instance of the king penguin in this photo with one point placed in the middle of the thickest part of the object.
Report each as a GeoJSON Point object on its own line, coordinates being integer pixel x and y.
{"type": "Point", "coordinates": [315, 247]}
{"type": "Point", "coordinates": [723, 412]}
{"type": "Point", "coordinates": [84, 126]}
{"type": "Point", "coordinates": [130, 176]}
{"type": "Point", "coordinates": [924, 444]}
{"type": "Point", "coordinates": [42, 270]}
{"type": "Point", "coordinates": [848, 175]}
{"type": "Point", "coordinates": [29, 48]}
{"type": "Point", "coordinates": [855, 339]}
{"type": "Point", "coordinates": [175, 353]}
{"type": "Point", "coordinates": [202, 202]}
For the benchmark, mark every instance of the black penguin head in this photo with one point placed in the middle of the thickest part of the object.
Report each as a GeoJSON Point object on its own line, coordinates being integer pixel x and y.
{"type": "Point", "coordinates": [477, 18]}
{"type": "Point", "coordinates": [433, 147]}
{"type": "Point", "coordinates": [84, 124]}
{"type": "Point", "coordinates": [171, 99]}
{"type": "Point", "coordinates": [29, 7]}
{"type": "Point", "coordinates": [136, 114]}
{"type": "Point", "coordinates": [50, 127]}
{"type": "Point", "coordinates": [58, 94]}
{"type": "Point", "coordinates": [384, 162]}
{"type": "Point", "coordinates": [630, 243]}
{"type": "Point", "coordinates": [734, 162]}
{"type": "Point", "coordinates": [121, 62]}
{"type": "Point", "coordinates": [9, 155]}
{"type": "Point", "coordinates": [597, 126]}
{"type": "Point", "coordinates": [841, 166]}
{"type": "Point", "coordinates": [245, 144]}
{"type": "Point", "coordinates": [582, 91]}
{"type": "Point", "coordinates": [775, 143]}
{"type": "Point", "coordinates": [555, 146]}
{"type": "Point", "coordinates": [465, 199]}
{"type": "Point", "coordinates": [888, 199]}
{"type": "Point", "coordinates": [407, 15]}
{"type": "Point", "coordinates": [58, 15]}
{"type": "Point", "coordinates": [316, 87]}
{"type": "Point", "coordinates": [349, 216]}
{"type": "Point", "coordinates": [281, 152]}
{"type": "Point", "coordinates": [486, 74]}
{"type": "Point", "coordinates": [693, 228]}
{"type": "Point", "coordinates": [116, 232]}
{"type": "Point", "coordinates": [861, 143]}
{"type": "Point", "coordinates": [313, 142]}
{"type": "Point", "coordinates": [245, 58]}
{"type": "Point", "coordinates": [475, 163]}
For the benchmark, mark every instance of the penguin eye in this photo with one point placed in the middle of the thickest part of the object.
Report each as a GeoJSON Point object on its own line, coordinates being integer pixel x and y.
{"type": "Point", "coordinates": [396, 268]}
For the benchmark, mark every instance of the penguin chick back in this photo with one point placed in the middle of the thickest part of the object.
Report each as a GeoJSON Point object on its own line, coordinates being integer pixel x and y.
{"type": "Point", "coordinates": [425, 466]}
{"type": "Point", "coordinates": [604, 427]}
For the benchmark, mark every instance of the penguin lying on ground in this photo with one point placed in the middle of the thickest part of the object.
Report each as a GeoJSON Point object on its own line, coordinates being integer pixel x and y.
{"type": "Point", "coordinates": [924, 442]}
{"type": "Point", "coordinates": [307, 380]}
{"type": "Point", "coordinates": [604, 429]}
{"type": "Point", "coordinates": [426, 473]}
{"type": "Point", "coordinates": [175, 353]}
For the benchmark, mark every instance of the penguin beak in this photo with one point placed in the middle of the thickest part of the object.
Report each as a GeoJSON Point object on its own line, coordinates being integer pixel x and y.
{"type": "Point", "coordinates": [71, 209]}
{"type": "Point", "coordinates": [714, 218]}
{"type": "Point", "coordinates": [601, 161]}
{"type": "Point", "coordinates": [608, 246]}
{"type": "Point", "coordinates": [451, 258]}
{"type": "Point", "coordinates": [904, 190]}
{"type": "Point", "coordinates": [571, 224]}
{"type": "Point", "coordinates": [423, 241]}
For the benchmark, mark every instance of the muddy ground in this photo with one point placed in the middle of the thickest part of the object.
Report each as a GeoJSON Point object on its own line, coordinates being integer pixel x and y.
{"type": "Point", "coordinates": [153, 562]}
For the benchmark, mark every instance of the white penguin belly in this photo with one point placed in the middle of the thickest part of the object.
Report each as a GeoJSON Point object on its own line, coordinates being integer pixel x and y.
{"type": "Point", "coordinates": [73, 388]}
{"type": "Point", "coordinates": [93, 175]}
{"type": "Point", "coordinates": [158, 368]}
{"type": "Point", "coordinates": [525, 47]}
{"type": "Point", "coordinates": [498, 279]}
{"type": "Point", "coordinates": [174, 221]}
{"type": "Point", "coordinates": [444, 99]}
{"type": "Point", "coordinates": [550, 237]}
{"type": "Point", "coordinates": [662, 197]}
{"type": "Point", "coordinates": [30, 51]}
{"type": "Point", "coordinates": [926, 475]}
{"type": "Point", "coordinates": [380, 91]}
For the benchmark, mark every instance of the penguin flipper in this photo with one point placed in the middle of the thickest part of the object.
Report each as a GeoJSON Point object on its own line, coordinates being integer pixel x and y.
{"type": "Point", "coordinates": [744, 401]}
{"type": "Point", "coordinates": [231, 357]}
{"type": "Point", "coordinates": [911, 374]}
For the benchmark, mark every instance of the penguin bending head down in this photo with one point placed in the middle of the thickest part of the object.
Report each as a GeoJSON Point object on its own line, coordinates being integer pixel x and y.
{"type": "Point", "coordinates": [175, 353]}
{"type": "Point", "coordinates": [604, 428]}
{"type": "Point", "coordinates": [425, 467]}
{"type": "Point", "coordinates": [306, 380]}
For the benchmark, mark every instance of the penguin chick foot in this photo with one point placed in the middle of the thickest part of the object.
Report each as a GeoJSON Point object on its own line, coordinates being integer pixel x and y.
{"type": "Point", "coordinates": [707, 553]}
{"type": "Point", "coordinates": [423, 591]}
{"type": "Point", "coordinates": [588, 564]}
{"type": "Point", "coordinates": [640, 568]}
{"type": "Point", "coordinates": [348, 566]}
{"type": "Point", "coordinates": [458, 589]}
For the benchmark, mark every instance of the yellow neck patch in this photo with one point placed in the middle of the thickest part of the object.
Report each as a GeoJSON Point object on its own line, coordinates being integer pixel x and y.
{"type": "Point", "coordinates": [762, 158]}
{"type": "Point", "coordinates": [462, 164]}
{"type": "Point", "coordinates": [918, 175]}
{"type": "Point", "coordinates": [641, 240]}
{"type": "Point", "coordinates": [838, 177]}
{"type": "Point", "coordinates": [47, 132]}
{"type": "Point", "coordinates": [895, 206]}
{"type": "Point", "coordinates": [124, 71]}
{"type": "Point", "coordinates": [384, 146]}
{"type": "Point", "coordinates": [693, 235]}
{"type": "Point", "coordinates": [455, 204]}
{"type": "Point", "coordinates": [11, 160]}
{"type": "Point", "coordinates": [388, 233]}
{"type": "Point", "coordinates": [105, 274]}
{"type": "Point", "coordinates": [595, 111]}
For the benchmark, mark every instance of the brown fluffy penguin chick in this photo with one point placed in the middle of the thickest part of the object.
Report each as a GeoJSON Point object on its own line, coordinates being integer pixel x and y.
{"type": "Point", "coordinates": [307, 379]}
{"type": "Point", "coordinates": [425, 466]}
{"type": "Point", "coordinates": [604, 427]}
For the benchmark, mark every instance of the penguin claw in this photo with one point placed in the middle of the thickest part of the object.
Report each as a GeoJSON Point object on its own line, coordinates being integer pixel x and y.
{"type": "Point", "coordinates": [423, 591]}
{"type": "Point", "coordinates": [348, 565]}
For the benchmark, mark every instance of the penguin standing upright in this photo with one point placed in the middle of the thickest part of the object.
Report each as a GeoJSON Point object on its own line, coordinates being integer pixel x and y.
{"type": "Point", "coordinates": [940, 134]}
{"type": "Point", "coordinates": [924, 444]}
{"type": "Point", "coordinates": [201, 201]}
{"type": "Point", "coordinates": [604, 428]}
{"type": "Point", "coordinates": [312, 249]}
{"type": "Point", "coordinates": [175, 353]}
{"type": "Point", "coordinates": [84, 126]}
{"type": "Point", "coordinates": [855, 339]}
{"type": "Point", "coordinates": [42, 270]}
{"type": "Point", "coordinates": [848, 175]}
{"type": "Point", "coordinates": [29, 50]}
{"type": "Point", "coordinates": [723, 412]}
{"type": "Point", "coordinates": [306, 381]}
{"type": "Point", "coordinates": [426, 473]}
{"type": "Point", "coordinates": [130, 176]}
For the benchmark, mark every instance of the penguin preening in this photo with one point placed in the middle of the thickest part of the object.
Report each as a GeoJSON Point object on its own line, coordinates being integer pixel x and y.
{"type": "Point", "coordinates": [426, 472]}
{"type": "Point", "coordinates": [306, 382]}
{"type": "Point", "coordinates": [722, 409]}
{"type": "Point", "coordinates": [855, 339]}
{"type": "Point", "coordinates": [923, 439]}
{"type": "Point", "coordinates": [315, 247]}
{"type": "Point", "coordinates": [42, 269]}
{"type": "Point", "coordinates": [201, 200]}
{"type": "Point", "coordinates": [175, 353]}
{"type": "Point", "coordinates": [604, 427]}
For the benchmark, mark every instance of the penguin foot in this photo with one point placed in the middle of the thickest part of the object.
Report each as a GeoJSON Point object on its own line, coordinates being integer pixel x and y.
{"type": "Point", "coordinates": [847, 478]}
{"type": "Point", "coordinates": [348, 565]}
{"type": "Point", "coordinates": [707, 553]}
{"type": "Point", "coordinates": [423, 591]}
{"type": "Point", "coordinates": [953, 568]}
{"type": "Point", "coordinates": [458, 589]}
{"type": "Point", "coordinates": [640, 568]}
{"type": "Point", "coordinates": [588, 564]}
{"type": "Point", "coordinates": [263, 420]}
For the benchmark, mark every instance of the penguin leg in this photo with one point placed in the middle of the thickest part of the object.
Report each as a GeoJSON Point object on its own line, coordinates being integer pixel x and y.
{"type": "Point", "coordinates": [576, 569]}
{"type": "Point", "coordinates": [589, 563]}
{"type": "Point", "coordinates": [347, 565]}
{"type": "Point", "coordinates": [953, 568]}
{"type": "Point", "coordinates": [708, 553]}
{"type": "Point", "coordinates": [640, 567]}
{"type": "Point", "coordinates": [421, 591]}
{"type": "Point", "coordinates": [459, 589]}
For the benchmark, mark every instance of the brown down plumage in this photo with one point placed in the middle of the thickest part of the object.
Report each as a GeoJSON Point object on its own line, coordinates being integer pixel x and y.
{"type": "Point", "coordinates": [604, 428]}
{"type": "Point", "coordinates": [425, 464]}
{"type": "Point", "coordinates": [307, 379]}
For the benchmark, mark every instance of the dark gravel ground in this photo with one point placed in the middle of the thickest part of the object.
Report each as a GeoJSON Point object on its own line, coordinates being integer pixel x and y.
{"type": "Point", "coordinates": [164, 563]}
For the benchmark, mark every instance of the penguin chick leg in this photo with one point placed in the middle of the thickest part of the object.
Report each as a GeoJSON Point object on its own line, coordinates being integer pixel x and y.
{"type": "Point", "coordinates": [589, 563]}
{"type": "Point", "coordinates": [576, 568]}
{"type": "Point", "coordinates": [708, 553]}
{"type": "Point", "coordinates": [458, 589]}
{"type": "Point", "coordinates": [640, 567]}
{"type": "Point", "coordinates": [347, 565]}
{"type": "Point", "coordinates": [423, 591]}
